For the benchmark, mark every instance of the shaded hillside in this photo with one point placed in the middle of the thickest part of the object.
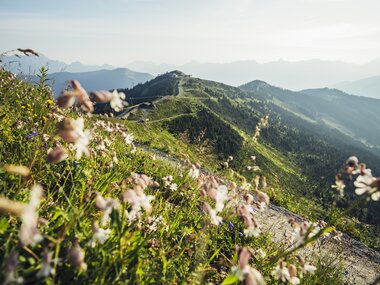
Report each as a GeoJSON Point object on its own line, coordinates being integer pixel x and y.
{"type": "Point", "coordinates": [354, 116]}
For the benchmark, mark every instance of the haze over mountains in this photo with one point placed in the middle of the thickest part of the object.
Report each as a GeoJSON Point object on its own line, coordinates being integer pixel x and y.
{"type": "Point", "coordinates": [291, 75]}
{"type": "Point", "coordinates": [356, 79]}
{"type": "Point", "coordinates": [369, 87]}
{"type": "Point", "coordinates": [92, 77]}
{"type": "Point", "coordinates": [30, 65]}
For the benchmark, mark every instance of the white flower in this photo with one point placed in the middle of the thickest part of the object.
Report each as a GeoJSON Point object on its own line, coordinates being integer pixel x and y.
{"type": "Point", "coordinates": [167, 180]}
{"type": "Point", "coordinates": [281, 272]}
{"type": "Point", "coordinates": [308, 268]}
{"type": "Point", "coordinates": [138, 202]}
{"type": "Point", "coordinates": [128, 139]}
{"type": "Point", "coordinates": [221, 197]}
{"type": "Point", "coordinates": [173, 187]}
{"type": "Point", "coordinates": [240, 273]}
{"type": "Point", "coordinates": [252, 231]}
{"type": "Point", "coordinates": [339, 186]}
{"type": "Point", "coordinates": [194, 172]}
{"type": "Point", "coordinates": [46, 269]}
{"type": "Point", "coordinates": [254, 277]}
{"type": "Point", "coordinates": [215, 219]}
{"type": "Point", "coordinates": [29, 233]}
{"type": "Point", "coordinates": [82, 143]}
{"type": "Point", "coordinates": [300, 231]}
{"type": "Point", "coordinates": [99, 235]}
{"type": "Point", "coordinates": [105, 205]}
{"type": "Point", "coordinates": [363, 185]}
{"type": "Point", "coordinates": [117, 102]}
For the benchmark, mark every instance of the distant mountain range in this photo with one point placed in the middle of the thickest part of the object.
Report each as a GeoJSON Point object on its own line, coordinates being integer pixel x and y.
{"type": "Point", "coordinates": [30, 65]}
{"type": "Point", "coordinates": [369, 87]}
{"type": "Point", "coordinates": [92, 77]}
{"type": "Point", "coordinates": [97, 80]}
{"type": "Point", "coordinates": [291, 75]}
{"type": "Point", "coordinates": [354, 116]}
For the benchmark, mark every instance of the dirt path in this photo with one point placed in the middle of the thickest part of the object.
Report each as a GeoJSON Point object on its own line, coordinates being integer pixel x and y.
{"type": "Point", "coordinates": [361, 264]}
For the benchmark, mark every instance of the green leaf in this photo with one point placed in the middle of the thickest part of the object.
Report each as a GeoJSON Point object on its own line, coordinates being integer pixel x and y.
{"type": "Point", "coordinates": [3, 225]}
{"type": "Point", "coordinates": [230, 279]}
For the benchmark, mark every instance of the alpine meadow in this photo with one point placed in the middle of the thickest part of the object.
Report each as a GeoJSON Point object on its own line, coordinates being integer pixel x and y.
{"type": "Point", "coordinates": [190, 142]}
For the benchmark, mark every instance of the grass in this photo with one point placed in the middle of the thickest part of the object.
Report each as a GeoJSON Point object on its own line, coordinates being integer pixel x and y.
{"type": "Point", "coordinates": [175, 243]}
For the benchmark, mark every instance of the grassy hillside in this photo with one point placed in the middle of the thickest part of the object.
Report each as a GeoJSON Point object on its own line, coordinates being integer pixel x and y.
{"type": "Point", "coordinates": [134, 211]}
{"type": "Point", "coordinates": [227, 116]}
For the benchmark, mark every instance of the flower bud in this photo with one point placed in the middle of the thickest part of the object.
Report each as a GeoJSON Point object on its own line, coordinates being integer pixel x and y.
{"type": "Point", "coordinates": [57, 155]}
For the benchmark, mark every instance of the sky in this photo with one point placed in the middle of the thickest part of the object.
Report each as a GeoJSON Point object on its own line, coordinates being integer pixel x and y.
{"type": "Point", "coordinates": [118, 32]}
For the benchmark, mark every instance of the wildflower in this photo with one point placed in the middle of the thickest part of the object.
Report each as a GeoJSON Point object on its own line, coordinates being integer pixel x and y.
{"type": "Point", "coordinates": [221, 197]}
{"type": "Point", "coordinates": [167, 180]}
{"type": "Point", "coordinates": [254, 277]}
{"type": "Point", "coordinates": [99, 235]}
{"type": "Point", "coordinates": [367, 184]}
{"type": "Point", "coordinates": [57, 155]}
{"type": "Point", "coordinates": [115, 159]}
{"type": "Point", "coordinates": [253, 158]}
{"type": "Point", "coordinates": [339, 185]}
{"type": "Point", "coordinates": [102, 96]}
{"type": "Point", "coordinates": [230, 225]}
{"type": "Point", "coordinates": [128, 139]}
{"type": "Point", "coordinates": [82, 96]}
{"type": "Point", "coordinates": [303, 232]}
{"type": "Point", "coordinates": [305, 267]}
{"type": "Point", "coordinates": [76, 256]}
{"type": "Point", "coordinates": [29, 233]}
{"type": "Point", "coordinates": [31, 135]}
{"type": "Point", "coordinates": [263, 199]}
{"type": "Point", "coordinates": [264, 182]}
{"type": "Point", "coordinates": [243, 267]}
{"type": "Point", "coordinates": [256, 181]}
{"type": "Point", "coordinates": [281, 272]}
{"type": "Point", "coordinates": [352, 164]}
{"type": "Point", "coordinates": [260, 253]}
{"type": "Point", "coordinates": [230, 158]}
{"type": "Point", "coordinates": [105, 205]}
{"type": "Point", "coordinates": [46, 269]}
{"type": "Point", "coordinates": [65, 100]}
{"type": "Point", "coordinates": [215, 219]}
{"type": "Point", "coordinates": [252, 229]}
{"type": "Point", "coordinates": [293, 279]}
{"type": "Point", "coordinates": [17, 169]}
{"type": "Point", "coordinates": [11, 264]}
{"type": "Point", "coordinates": [137, 198]}
{"type": "Point", "coordinates": [248, 199]}
{"type": "Point", "coordinates": [173, 187]}
{"type": "Point", "coordinates": [194, 171]}
{"type": "Point", "coordinates": [117, 102]}
{"type": "Point", "coordinates": [244, 272]}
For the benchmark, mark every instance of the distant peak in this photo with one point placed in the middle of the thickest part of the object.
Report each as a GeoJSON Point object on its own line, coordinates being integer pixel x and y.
{"type": "Point", "coordinates": [255, 84]}
{"type": "Point", "coordinates": [177, 73]}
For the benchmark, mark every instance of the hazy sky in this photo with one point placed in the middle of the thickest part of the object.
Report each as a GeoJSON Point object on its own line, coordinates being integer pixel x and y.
{"type": "Point", "coordinates": [177, 31]}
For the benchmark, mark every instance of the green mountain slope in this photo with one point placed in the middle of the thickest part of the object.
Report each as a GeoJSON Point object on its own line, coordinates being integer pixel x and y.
{"type": "Point", "coordinates": [356, 117]}
{"type": "Point", "coordinates": [295, 146]}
